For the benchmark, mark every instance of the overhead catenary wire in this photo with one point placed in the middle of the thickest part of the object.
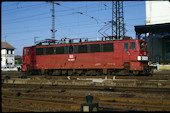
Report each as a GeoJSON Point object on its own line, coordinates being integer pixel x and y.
{"type": "Point", "coordinates": [58, 15]}
{"type": "Point", "coordinates": [81, 25]}
{"type": "Point", "coordinates": [48, 12]}
{"type": "Point", "coordinates": [22, 7]}
{"type": "Point", "coordinates": [61, 15]}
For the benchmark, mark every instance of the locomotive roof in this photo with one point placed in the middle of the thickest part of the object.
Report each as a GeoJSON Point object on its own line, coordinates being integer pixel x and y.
{"type": "Point", "coordinates": [88, 42]}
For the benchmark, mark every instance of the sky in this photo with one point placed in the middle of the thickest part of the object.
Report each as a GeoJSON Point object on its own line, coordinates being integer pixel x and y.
{"type": "Point", "coordinates": [21, 21]}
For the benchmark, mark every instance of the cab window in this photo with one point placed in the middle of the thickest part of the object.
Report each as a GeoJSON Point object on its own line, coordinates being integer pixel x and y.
{"type": "Point", "coordinates": [24, 51]}
{"type": "Point", "coordinates": [125, 46]}
{"type": "Point", "coordinates": [132, 45]}
{"type": "Point", "coordinates": [143, 46]}
{"type": "Point", "coordinates": [28, 52]}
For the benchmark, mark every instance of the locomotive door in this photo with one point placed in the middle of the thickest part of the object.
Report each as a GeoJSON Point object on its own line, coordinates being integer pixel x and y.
{"type": "Point", "coordinates": [71, 58]}
{"type": "Point", "coordinates": [126, 52]}
{"type": "Point", "coordinates": [32, 56]}
{"type": "Point", "coordinates": [27, 57]}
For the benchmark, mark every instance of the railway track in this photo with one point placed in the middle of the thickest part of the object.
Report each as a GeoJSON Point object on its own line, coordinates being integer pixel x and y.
{"type": "Point", "coordinates": [72, 103]}
{"type": "Point", "coordinates": [68, 97]}
{"type": "Point", "coordinates": [38, 87]}
{"type": "Point", "coordinates": [16, 109]}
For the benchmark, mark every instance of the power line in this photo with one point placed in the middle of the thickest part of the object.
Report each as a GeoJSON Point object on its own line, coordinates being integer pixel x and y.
{"type": "Point", "coordinates": [37, 19]}
{"type": "Point", "coordinates": [15, 11]}
{"type": "Point", "coordinates": [29, 16]}
{"type": "Point", "coordinates": [66, 15]}
{"type": "Point", "coordinates": [81, 25]}
{"type": "Point", "coordinates": [23, 7]}
{"type": "Point", "coordinates": [63, 15]}
{"type": "Point", "coordinates": [8, 4]}
{"type": "Point", "coordinates": [47, 13]}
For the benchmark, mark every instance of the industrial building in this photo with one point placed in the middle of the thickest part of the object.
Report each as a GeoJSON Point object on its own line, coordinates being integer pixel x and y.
{"type": "Point", "coordinates": [156, 31]}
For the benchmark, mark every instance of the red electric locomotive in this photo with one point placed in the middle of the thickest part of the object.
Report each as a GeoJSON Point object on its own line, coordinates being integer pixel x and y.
{"type": "Point", "coordinates": [87, 58]}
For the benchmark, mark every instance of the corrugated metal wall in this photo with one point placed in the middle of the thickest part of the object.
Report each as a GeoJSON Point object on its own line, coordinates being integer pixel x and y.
{"type": "Point", "coordinates": [159, 49]}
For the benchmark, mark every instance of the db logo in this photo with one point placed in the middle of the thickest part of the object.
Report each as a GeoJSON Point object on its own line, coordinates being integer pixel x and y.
{"type": "Point", "coordinates": [70, 56]}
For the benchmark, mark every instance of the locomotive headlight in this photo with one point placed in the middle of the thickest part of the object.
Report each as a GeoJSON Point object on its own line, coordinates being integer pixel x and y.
{"type": "Point", "coordinates": [139, 57]}
{"type": "Point", "coordinates": [143, 58]}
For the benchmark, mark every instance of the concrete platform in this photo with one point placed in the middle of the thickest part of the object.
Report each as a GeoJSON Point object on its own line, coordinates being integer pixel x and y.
{"type": "Point", "coordinates": [163, 67]}
{"type": "Point", "coordinates": [161, 71]}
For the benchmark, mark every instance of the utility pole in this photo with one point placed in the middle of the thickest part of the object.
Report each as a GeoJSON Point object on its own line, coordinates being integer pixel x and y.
{"type": "Point", "coordinates": [53, 22]}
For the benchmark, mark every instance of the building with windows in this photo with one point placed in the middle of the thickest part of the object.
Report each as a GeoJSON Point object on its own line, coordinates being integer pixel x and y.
{"type": "Point", "coordinates": [7, 55]}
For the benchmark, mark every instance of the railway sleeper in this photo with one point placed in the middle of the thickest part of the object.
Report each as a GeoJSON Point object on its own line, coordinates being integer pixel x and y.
{"type": "Point", "coordinates": [49, 105]}
{"type": "Point", "coordinates": [17, 109]}
{"type": "Point", "coordinates": [143, 107]}
{"type": "Point", "coordinates": [96, 98]}
{"type": "Point", "coordinates": [43, 105]}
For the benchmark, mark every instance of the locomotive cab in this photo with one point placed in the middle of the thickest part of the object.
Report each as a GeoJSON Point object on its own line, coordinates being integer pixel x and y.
{"type": "Point", "coordinates": [139, 56]}
{"type": "Point", "coordinates": [143, 56]}
{"type": "Point", "coordinates": [26, 59]}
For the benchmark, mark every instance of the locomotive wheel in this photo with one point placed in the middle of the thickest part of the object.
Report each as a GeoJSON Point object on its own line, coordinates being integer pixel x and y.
{"type": "Point", "coordinates": [91, 73]}
{"type": "Point", "coordinates": [57, 72]}
{"type": "Point", "coordinates": [135, 72]}
{"type": "Point", "coordinates": [64, 72]}
{"type": "Point", "coordinates": [70, 72]}
{"type": "Point", "coordinates": [50, 73]}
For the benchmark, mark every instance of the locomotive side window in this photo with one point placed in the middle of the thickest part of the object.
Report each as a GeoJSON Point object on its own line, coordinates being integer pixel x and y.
{"type": "Point", "coordinates": [125, 46]}
{"type": "Point", "coordinates": [82, 49]}
{"type": "Point", "coordinates": [108, 47]}
{"type": "Point", "coordinates": [75, 49]}
{"type": "Point", "coordinates": [132, 45]}
{"type": "Point", "coordinates": [60, 50]}
{"type": "Point", "coordinates": [66, 49]}
{"type": "Point", "coordinates": [94, 48]}
{"type": "Point", "coordinates": [49, 50]}
{"type": "Point", "coordinates": [39, 51]}
{"type": "Point", "coordinates": [24, 51]}
{"type": "Point", "coordinates": [28, 52]}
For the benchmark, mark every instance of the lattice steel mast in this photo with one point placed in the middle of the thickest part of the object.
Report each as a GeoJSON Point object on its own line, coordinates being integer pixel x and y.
{"type": "Point", "coordinates": [53, 22]}
{"type": "Point", "coordinates": [118, 26]}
